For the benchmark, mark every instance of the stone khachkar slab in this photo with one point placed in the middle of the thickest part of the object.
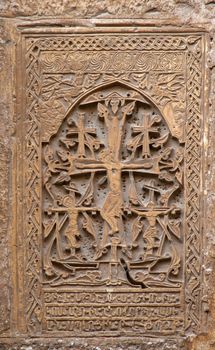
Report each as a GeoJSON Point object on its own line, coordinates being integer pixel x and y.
{"type": "Point", "coordinates": [109, 179]}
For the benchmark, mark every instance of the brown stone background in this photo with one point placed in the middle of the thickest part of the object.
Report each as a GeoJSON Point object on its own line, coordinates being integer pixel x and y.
{"type": "Point", "coordinates": [161, 13]}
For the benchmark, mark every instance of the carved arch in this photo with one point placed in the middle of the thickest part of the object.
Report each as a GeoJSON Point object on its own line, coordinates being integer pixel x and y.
{"type": "Point", "coordinates": [110, 176]}
{"type": "Point", "coordinates": [128, 85]}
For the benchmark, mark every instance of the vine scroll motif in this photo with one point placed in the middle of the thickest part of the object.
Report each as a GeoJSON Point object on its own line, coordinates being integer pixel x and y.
{"type": "Point", "coordinates": [69, 205]}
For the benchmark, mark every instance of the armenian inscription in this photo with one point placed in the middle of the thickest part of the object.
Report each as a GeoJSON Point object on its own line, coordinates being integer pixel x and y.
{"type": "Point", "coordinates": [113, 171]}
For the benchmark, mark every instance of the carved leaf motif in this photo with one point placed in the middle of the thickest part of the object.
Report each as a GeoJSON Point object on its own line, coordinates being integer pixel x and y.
{"type": "Point", "coordinates": [63, 155]}
{"type": "Point", "coordinates": [88, 225]}
{"type": "Point", "coordinates": [128, 109]}
{"type": "Point", "coordinates": [175, 262]}
{"type": "Point", "coordinates": [155, 119]}
{"type": "Point", "coordinates": [179, 175]}
{"type": "Point", "coordinates": [141, 78]}
{"type": "Point", "coordinates": [102, 110]}
{"type": "Point", "coordinates": [63, 177]}
{"type": "Point", "coordinates": [48, 227]}
{"type": "Point", "coordinates": [160, 141]}
{"type": "Point", "coordinates": [68, 142]}
{"type": "Point", "coordinates": [92, 142]}
{"type": "Point", "coordinates": [132, 192]}
{"type": "Point", "coordinates": [177, 161]}
{"type": "Point", "coordinates": [165, 154]}
{"type": "Point", "coordinates": [91, 79]}
{"type": "Point", "coordinates": [171, 81]}
{"type": "Point", "coordinates": [87, 197]}
{"type": "Point", "coordinates": [137, 227]}
{"type": "Point", "coordinates": [134, 143]}
{"type": "Point", "coordinates": [164, 175]}
{"type": "Point", "coordinates": [48, 154]}
{"type": "Point", "coordinates": [174, 226]}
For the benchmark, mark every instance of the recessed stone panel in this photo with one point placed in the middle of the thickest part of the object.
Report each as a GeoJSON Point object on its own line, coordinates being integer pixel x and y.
{"type": "Point", "coordinates": [110, 173]}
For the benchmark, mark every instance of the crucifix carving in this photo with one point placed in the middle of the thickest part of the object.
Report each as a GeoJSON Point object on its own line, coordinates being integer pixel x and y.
{"type": "Point", "coordinates": [107, 157]}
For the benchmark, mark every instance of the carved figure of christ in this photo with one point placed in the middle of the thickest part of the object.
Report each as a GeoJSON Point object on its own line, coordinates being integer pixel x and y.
{"type": "Point", "coordinates": [110, 162]}
{"type": "Point", "coordinates": [72, 230]}
{"type": "Point", "coordinates": [111, 210]}
{"type": "Point", "coordinates": [151, 214]}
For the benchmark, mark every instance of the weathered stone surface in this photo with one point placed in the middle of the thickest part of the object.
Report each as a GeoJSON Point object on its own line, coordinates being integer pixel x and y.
{"type": "Point", "coordinates": [5, 174]}
{"type": "Point", "coordinates": [33, 14]}
{"type": "Point", "coordinates": [97, 344]}
{"type": "Point", "coordinates": [189, 10]}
